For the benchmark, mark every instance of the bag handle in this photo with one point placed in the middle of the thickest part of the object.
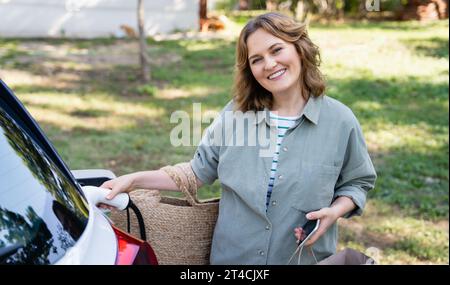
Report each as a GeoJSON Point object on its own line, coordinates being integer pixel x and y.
{"type": "Point", "coordinates": [299, 250]}
{"type": "Point", "coordinates": [188, 186]}
{"type": "Point", "coordinates": [191, 178]}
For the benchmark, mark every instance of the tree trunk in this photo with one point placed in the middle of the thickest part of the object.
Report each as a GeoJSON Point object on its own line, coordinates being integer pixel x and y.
{"type": "Point", "coordinates": [271, 5]}
{"type": "Point", "coordinates": [203, 15]}
{"type": "Point", "coordinates": [302, 11]}
{"type": "Point", "coordinates": [340, 6]}
{"type": "Point", "coordinates": [244, 5]}
{"type": "Point", "coordinates": [143, 57]}
{"type": "Point", "coordinates": [362, 10]}
{"type": "Point", "coordinates": [293, 8]}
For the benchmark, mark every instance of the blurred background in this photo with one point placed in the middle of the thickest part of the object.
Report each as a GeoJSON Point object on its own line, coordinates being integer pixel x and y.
{"type": "Point", "coordinates": [102, 78]}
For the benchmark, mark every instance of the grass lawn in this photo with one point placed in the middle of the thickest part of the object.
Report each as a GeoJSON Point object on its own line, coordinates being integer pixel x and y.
{"type": "Point", "coordinates": [394, 76]}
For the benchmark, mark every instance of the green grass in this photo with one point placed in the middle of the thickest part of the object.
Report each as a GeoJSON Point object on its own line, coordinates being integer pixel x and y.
{"type": "Point", "coordinates": [394, 76]}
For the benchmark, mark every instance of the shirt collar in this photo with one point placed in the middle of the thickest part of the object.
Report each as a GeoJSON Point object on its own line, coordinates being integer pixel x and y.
{"type": "Point", "coordinates": [311, 111]}
{"type": "Point", "coordinates": [312, 108]}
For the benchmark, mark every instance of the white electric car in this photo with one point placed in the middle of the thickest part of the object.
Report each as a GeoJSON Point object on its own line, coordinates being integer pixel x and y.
{"type": "Point", "coordinates": [48, 214]}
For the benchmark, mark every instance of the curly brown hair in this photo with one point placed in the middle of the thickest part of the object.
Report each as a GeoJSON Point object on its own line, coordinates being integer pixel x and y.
{"type": "Point", "coordinates": [248, 94]}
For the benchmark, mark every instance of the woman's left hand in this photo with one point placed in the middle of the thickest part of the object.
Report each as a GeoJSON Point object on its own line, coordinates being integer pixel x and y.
{"type": "Point", "coordinates": [327, 216]}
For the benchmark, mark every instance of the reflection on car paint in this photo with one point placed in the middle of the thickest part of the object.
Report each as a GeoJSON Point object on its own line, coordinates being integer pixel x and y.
{"type": "Point", "coordinates": [41, 213]}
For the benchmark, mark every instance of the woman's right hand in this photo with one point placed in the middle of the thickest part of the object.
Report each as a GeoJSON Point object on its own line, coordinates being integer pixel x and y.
{"type": "Point", "coordinates": [153, 179]}
{"type": "Point", "coordinates": [121, 184]}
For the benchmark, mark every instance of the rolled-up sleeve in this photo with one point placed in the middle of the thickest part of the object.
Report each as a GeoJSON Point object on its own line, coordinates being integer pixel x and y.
{"type": "Point", "coordinates": [206, 159]}
{"type": "Point", "coordinates": [358, 174]}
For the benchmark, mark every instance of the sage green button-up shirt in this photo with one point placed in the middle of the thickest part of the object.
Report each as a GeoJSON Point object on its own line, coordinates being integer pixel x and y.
{"type": "Point", "coordinates": [322, 157]}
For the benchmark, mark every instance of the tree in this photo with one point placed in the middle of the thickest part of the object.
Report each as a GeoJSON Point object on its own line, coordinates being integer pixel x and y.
{"type": "Point", "coordinates": [203, 13]}
{"type": "Point", "coordinates": [244, 4]}
{"type": "Point", "coordinates": [143, 57]}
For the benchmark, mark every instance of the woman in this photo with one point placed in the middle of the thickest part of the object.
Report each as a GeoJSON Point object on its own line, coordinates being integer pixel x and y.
{"type": "Point", "coordinates": [319, 169]}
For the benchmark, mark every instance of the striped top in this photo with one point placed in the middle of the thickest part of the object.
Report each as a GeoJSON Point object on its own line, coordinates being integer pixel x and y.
{"type": "Point", "coordinates": [284, 124]}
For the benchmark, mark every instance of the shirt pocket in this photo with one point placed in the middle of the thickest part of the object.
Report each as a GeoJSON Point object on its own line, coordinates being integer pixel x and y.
{"type": "Point", "coordinates": [314, 186]}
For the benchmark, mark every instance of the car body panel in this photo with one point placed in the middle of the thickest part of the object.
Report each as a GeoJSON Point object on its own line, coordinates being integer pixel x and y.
{"type": "Point", "coordinates": [97, 245]}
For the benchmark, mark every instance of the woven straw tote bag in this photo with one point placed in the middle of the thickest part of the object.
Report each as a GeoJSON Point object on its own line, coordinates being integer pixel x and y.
{"type": "Point", "coordinates": [179, 229]}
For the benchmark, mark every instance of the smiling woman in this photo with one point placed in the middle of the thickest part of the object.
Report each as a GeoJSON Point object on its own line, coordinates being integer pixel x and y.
{"type": "Point", "coordinates": [318, 167]}
{"type": "Point", "coordinates": [270, 48]}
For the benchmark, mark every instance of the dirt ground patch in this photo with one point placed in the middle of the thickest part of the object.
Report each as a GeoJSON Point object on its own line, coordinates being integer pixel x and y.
{"type": "Point", "coordinates": [66, 65]}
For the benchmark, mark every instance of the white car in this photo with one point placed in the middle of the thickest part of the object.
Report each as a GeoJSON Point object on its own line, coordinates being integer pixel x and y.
{"type": "Point", "coordinates": [46, 215]}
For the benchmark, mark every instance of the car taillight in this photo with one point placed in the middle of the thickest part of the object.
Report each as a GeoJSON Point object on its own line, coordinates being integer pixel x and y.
{"type": "Point", "coordinates": [133, 251]}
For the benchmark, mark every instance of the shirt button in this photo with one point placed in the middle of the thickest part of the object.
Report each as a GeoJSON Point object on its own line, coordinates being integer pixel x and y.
{"type": "Point", "coordinates": [285, 149]}
{"type": "Point", "coordinates": [274, 203]}
{"type": "Point", "coordinates": [280, 177]}
{"type": "Point", "coordinates": [261, 252]}
{"type": "Point", "coordinates": [267, 227]}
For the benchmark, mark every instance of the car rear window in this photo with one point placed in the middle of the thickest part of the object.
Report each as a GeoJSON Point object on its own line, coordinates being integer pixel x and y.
{"type": "Point", "coordinates": [42, 214]}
